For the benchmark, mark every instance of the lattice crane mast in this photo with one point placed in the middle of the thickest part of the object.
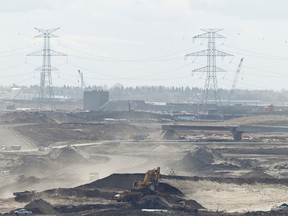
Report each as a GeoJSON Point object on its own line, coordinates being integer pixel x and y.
{"type": "Point", "coordinates": [83, 85]}
{"type": "Point", "coordinates": [237, 73]}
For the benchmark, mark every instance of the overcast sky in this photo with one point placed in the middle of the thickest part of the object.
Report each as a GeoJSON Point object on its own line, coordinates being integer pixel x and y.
{"type": "Point", "coordinates": [143, 42]}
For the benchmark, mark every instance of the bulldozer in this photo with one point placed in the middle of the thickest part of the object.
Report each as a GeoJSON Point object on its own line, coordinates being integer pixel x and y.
{"type": "Point", "coordinates": [141, 188]}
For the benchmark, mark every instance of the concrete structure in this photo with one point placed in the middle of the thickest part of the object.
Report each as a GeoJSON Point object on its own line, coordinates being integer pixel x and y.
{"type": "Point", "coordinates": [93, 100]}
{"type": "Point", "coordinates": [236, 131]}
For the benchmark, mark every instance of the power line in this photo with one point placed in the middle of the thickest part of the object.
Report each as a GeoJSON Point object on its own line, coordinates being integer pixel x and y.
{"type": "Point", "coordinates": [125, 60]}
{"type": "Point", "coordinates": [257, 54]}
{"type": "Point", "coordinates": [16, 49]}
{"type": "Point", "coordinates": [12, 66]}
{"type": "Point", "coordinates": [147, 59]}
{"type": "Point", "coordinates": [133, 78]}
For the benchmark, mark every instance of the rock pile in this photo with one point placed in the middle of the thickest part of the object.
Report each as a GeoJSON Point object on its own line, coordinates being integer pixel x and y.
{"type": "Point", "coordinates": [40, 206]}
{"type": "Point", "coordinates": [201, 158]}
{"type": "Point", "coordinates": [68, 155]}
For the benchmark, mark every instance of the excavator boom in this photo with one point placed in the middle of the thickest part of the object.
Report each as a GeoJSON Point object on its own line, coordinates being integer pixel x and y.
{"type": "Point", "coordinates": [151, 178]}
{"type": "Point", "coordinates": [141, 188]}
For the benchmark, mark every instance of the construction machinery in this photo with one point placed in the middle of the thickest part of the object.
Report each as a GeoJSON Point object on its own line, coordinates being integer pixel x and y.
{"type": "Point", "coordinates": [235, 80]}
{"type": "Point", "coordinates": [141, 188]}
{"type": "Point", "coordinates": [150, 180]}
{"type": "Point", "coordinates": [25, 196]}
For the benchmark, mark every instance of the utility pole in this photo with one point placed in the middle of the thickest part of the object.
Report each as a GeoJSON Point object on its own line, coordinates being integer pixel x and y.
{"type": "Point", "coordinates": [211, 91]}
{"type": "Point", "coordinates": [46, 87]}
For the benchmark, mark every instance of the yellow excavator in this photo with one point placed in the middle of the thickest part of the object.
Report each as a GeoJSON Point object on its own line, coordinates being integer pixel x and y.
{"type": "Point", "coordinates": [141, 188]}
{"type": "Point", "coordinates": [150, 180]}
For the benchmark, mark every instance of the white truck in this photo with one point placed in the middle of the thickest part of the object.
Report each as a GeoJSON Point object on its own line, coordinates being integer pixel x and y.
{"type": "Point", "coordinates": [22, 212]}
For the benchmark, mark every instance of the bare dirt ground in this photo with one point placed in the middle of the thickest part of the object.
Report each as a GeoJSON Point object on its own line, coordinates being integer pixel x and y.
{"type": "Point", "coordinates": [62, 150]}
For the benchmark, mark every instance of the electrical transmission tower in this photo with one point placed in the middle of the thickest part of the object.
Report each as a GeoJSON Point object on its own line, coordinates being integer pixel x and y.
{"type": "Point", "coordinates": [46, 93]}
{"type": "Point", "coordinates": [211, 91]}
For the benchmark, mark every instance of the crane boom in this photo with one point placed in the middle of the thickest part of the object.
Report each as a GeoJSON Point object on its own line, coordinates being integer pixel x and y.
{"type": "Point", "coordinates": [236, 75]}
{"type": "Point", "coordinates": [83, 86]}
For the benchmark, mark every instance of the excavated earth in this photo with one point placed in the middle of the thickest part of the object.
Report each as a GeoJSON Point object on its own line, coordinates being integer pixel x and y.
{"type": "Point", "coordinates": [77, 162]}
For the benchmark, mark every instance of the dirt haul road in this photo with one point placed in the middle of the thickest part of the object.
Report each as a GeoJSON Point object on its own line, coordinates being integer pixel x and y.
{"type": "Point", "coordinates": [10, 137]}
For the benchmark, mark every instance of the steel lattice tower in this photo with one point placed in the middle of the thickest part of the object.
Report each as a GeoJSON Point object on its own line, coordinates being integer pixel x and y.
{"type": "Point", "coordinates": [211, 91]}
{"type": "Point", "coordinates": [46, 87]}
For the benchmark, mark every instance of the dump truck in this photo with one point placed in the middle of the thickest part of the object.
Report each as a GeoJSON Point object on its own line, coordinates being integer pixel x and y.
{"type": "Point", "coordinates": [24, 196]}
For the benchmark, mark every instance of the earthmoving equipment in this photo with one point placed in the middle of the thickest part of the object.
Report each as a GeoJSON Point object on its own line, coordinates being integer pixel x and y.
{"type": "Point", "coordinates": [128, 196]}
{"type": "Point", "coordinates": [24, 196]}
{"type": "Point", "coordinates": [237, 73]}
{"type": "Point", "coordinates": [150, 180]}
{"type": "Point", "coordinates": [141, 188]}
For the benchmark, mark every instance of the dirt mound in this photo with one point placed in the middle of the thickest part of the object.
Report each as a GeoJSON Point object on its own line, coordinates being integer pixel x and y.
{"type": "Point", "coordinates": [164, 148]}
{"type": "Point", "coordinates": [117, 181]}
{"type": "Point", "coordinates": [68, 155]}
{"type": "Point", "coordinates": [201, 158]}
{"type": "Point", "coordinates": [245, 163]}
{"type": "Point", "coordinates": [168, 189]}
{"type": "Point", "coordinates": [79, 192]}
{"type": "Point", "coordinates": [40, 206]}
{"type": "Point", "coordinates": [124, 182]}
{"type": "Point", "coordinates": [153, 201]}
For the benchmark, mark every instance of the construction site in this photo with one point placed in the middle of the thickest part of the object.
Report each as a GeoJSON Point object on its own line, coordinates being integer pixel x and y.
{"type": "Point", "coordinates": [78, 164]}
{"type": "Point", "coordinates": [142, 149]}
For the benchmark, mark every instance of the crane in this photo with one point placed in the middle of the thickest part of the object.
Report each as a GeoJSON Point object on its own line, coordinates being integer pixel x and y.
{"type": "Point", "coordinates": [235, 79]}
{"type": "Point", "coordinates": [83, 85]}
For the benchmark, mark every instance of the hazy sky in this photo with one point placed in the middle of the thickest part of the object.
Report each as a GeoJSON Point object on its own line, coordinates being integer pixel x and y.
{"type": "Point", "coordinates": [143, 42]}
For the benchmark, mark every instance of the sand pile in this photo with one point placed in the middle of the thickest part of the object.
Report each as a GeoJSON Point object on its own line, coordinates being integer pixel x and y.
{"type": "Point", "coordinates": [40, 206]}
{"type": "Point", "coordinates": [201, 158]}
{"type": "Point", "coordinates": [164, 148]}
{"type": "Point", "coordinates": [68, 155]}
{"type": "Point", "coordinates": [118, 181]}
